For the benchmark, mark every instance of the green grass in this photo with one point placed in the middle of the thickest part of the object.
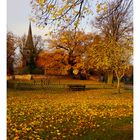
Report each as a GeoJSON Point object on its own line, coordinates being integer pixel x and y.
{"type": "Point", "coordinates": [62, 115]}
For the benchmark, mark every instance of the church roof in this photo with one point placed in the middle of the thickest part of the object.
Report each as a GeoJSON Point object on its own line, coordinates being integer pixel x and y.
{"type": "Point", "coordinates": [29, 42]}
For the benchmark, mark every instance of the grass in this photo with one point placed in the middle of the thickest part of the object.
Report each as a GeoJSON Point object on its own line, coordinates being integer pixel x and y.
{"type": "Point", "coordinates": [62, 115]}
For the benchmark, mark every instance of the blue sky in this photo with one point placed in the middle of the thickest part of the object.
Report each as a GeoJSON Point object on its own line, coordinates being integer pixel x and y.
{"type": "Point", "coordinates": [18, 13]}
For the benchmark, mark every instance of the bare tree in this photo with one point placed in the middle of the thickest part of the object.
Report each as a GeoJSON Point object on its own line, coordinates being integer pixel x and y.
{"type": "Point", "coordinates": [115, 20]}
{"type": "Point", "coordinates": [11, 40]}
{"type": "Point", "coordinates": [38, 45]}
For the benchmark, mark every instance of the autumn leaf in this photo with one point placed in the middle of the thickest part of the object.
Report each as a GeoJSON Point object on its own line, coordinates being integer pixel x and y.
{"type": "Point", "coordinates": [41, 2]}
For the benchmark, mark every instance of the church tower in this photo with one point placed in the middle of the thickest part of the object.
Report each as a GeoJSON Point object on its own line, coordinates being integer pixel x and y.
{"type": "Point", "coordinates": [28, 49]}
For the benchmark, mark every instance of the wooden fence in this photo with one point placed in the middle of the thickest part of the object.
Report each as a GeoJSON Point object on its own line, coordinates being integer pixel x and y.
{"type": "Point", "coordinates": [47, 84]}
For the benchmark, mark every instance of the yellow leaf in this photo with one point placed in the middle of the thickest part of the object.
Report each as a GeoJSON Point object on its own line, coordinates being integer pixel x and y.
{"type": "Point", "coordinates": [41, 2]}
{"type": "Point", "coordinates": [98, 7]}
{"type": "Point", "coordinates": [50, 6]}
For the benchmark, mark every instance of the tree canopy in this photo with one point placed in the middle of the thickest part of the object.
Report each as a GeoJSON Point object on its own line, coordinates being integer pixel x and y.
{"type": "Point", "coordinates": [53, 62]}
{"type": "Point", "coordinates": [74, 44]}
{"type": "Point", "coordinates": [63, 12]}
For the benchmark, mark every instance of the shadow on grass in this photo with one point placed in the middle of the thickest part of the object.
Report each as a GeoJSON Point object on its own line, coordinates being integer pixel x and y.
{"type": "Point", "coordinates": [112, 133]}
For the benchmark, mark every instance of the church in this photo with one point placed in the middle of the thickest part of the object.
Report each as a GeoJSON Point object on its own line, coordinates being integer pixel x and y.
{"type": "Point", "coordinates": [29, 55]}
{"type": "Point", "coordinates": [28, 49]}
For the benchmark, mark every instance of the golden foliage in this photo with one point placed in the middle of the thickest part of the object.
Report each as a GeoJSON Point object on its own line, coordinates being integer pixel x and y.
{"type": "Point", "coordinates": [41, 2]}
{"type": "Point", "coordinates": [53, 62]}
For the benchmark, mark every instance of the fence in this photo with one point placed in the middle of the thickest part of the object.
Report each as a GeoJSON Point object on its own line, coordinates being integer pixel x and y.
{"type": "Point", "coordinates": [49, 84]}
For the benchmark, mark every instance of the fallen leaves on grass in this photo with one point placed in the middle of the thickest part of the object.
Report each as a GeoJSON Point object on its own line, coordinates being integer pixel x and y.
{"type": "Point", "coordinates": [63, 116]}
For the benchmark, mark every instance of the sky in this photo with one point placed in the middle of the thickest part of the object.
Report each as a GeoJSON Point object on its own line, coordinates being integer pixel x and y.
{"type": "Point", "coordinates": [18, 13]}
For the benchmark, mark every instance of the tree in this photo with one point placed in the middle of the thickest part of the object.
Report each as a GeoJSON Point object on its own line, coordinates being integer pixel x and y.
{"type": "Point", "coordinates": [64, 12]}
{"type": "Point", "coordinates": [74, 44]}
{"type": "Point", "coordinates": [114, 21]}
{"type": "Point", "coordinates": [38, 44]}
{"type": "Point", "coordinates": [114, 56]}
{"type": "Point", "coordinates": [121, 60]}
{"type": "Point", "coordinates": [53, 62]}
{"type": "Point", "coordinates": [11, 40]}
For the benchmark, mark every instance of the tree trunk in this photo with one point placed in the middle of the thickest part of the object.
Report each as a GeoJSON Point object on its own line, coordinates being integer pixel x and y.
{"type": "Point", "coordinates": [109, 77]}
{"type": "Point", "coordinates": [119, 77]}
{"type": "Point", "coordinates": [118, 84]}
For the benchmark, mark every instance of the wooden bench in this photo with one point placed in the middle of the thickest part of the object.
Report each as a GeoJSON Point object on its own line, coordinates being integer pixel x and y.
{"type": "Point", "coordinates": [42, 82]}
{"type": "Point", "coordinates": [76, 87]}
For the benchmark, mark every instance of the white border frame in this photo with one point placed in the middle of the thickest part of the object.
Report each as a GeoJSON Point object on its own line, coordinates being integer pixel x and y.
{"type": "Point", "coordinates": [3, 97]}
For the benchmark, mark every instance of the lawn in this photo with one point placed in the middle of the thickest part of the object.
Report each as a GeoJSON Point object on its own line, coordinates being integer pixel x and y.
{"type": "Point", "coordinates": [85, 115]}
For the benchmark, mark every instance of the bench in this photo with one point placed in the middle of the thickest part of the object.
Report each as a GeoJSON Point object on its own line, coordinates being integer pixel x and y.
{"type": "Point", "coordinates": [42, 82]}
{"type": "Point", "coordinates": [76, 87]}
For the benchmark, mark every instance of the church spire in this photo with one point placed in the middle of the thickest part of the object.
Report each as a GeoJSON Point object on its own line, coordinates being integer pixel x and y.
{"type": "Point", "coordinates": [29, 41]}
{"type": "Point", "coordinates": [28, 49]}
